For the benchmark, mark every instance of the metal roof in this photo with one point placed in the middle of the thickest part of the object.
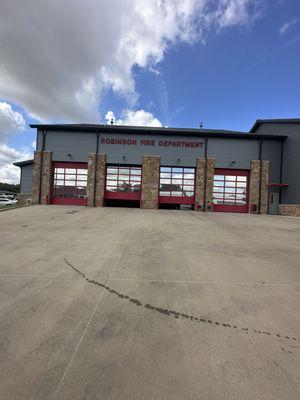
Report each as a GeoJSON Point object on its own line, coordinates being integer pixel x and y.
{"type": "Point", "coordinates": [21, 163]}
{"type": "Point", "coordinates": [123, 129]}
{"type": "Point", "coordinates": [274, 121]}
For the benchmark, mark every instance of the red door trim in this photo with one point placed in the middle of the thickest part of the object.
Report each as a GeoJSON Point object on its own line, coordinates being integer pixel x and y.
{"type": "Point", "coordinates": [176, 200]}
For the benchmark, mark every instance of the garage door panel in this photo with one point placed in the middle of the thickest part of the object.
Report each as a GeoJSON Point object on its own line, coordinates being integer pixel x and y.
{"type": "Point", "coordinates": [231, 190]}
{"type": "Point", "coordinates": [123, 182]}
{"type": "Point", "coordinates": [177, 185]}
{"type": "Point", "coordinates": [69, 183]}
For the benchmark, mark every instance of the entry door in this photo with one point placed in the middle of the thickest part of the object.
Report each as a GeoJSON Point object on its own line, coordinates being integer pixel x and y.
{"type": "Point", "coordinates": [231, 190]}
{"type": "Point", "coordinates": [69, 183]}
{"type": "Point", "coordinates": [273, 203]}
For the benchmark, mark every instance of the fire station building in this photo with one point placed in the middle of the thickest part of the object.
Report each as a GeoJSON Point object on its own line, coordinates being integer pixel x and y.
{"type": "Point", "coordinates": [201, 169]}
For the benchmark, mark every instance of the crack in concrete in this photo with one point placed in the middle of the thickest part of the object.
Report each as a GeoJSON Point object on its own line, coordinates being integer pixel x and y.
{"type": "Point", "coordinates": [176, 314]}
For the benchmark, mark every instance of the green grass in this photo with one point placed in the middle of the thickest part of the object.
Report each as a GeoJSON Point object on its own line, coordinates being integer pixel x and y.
{"type": "Point", "coordinates": [9, 207]}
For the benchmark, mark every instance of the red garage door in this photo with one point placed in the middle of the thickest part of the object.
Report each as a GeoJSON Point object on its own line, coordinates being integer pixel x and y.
{"type": "Point", "coordinates": [69, 183]}
{"type": "Point", "coordinates": [177, 185]}
{"type": "Point", "coordinates": [230, 190]}
{"type": "Point", "coordinates": [123, 182]}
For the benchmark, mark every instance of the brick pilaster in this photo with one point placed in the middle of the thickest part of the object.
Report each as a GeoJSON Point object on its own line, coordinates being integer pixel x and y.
{"type": "Point", "coordinates": [150, 181]}
{"type": "Point", "coordinates": [200, 185]}
{"type": "Point", "coordinates": [45, 185]}
{"type": "Point", "coordinates": [99, 175]}
{"type": "Point", "coordinates": [254, 186]}
{"type": "Point", "coordinates": [36, 177]}
{"type": "Point", "coordinates": [210, 170]}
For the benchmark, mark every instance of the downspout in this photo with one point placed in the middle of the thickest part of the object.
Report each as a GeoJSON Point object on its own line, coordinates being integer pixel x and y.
{"type": "Point", "coordinates": [281, 170]}
{"type": "Point", "coordinates": [260, 175]}
{"type": "Point", "coordinates": [41, 169]}
{"type": "Point", "coordinates": [205, 174]}
{"type": "Point", "coordinates": [96, 165]}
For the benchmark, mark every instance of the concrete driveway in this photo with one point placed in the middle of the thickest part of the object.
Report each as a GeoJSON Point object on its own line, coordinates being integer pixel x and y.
{"type": "Point", "coordinates": [133, 304]}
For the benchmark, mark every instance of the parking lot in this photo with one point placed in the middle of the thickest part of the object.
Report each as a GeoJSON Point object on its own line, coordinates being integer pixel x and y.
{"type": "Point", "coordinates": [112, 303]}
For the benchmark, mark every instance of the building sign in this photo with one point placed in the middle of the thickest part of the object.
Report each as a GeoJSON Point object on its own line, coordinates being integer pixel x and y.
{"type": "Point", "coordinates": [152, 142]}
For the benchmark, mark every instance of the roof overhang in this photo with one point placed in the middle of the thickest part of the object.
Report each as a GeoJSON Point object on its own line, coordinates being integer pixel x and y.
{"type": "Point", "coordinates": [258, 122]}
{"type": "Point", "coordinates": [22, 163]}
{"type": "Point", "coordinates": [142, 130]}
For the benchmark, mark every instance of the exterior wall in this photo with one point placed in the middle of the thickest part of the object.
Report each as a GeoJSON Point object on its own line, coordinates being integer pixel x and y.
{"type": "Point", "coordinates": [150, 181]}
{"type": "Point", "coordinates": [46, 177]}
{"type": "Point", "coordinates": [178, 150]}
{"type": "Point", "coordinates": [77, 144]}
{"type": "Point", "coordinates": [225, 151]}
{"type": "Point", "coordinates": [271, 151]}
{"type": "Point", "coordinates": [290, 210]}
{"type": "Point", "coordinates": [99, 175]}
{"type": "Point", "coordinates": [181, 151]}
{"type": "Point", "coordinates": [26, 178]}
{"type": "Point", "coordinates": [200, 185]}
{"type": "Point", "coordinates": [254, 189]}
{"type": "Point", "coordinates": [291, 159]}
{"type": "Point", "coordinates": [210, 169]}
{"type": "Point", "coordinates": [24, 199]}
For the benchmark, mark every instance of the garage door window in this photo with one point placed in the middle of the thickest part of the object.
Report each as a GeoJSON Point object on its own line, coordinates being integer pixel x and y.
{"type": "Point", "coordinates": [230, 190]}
{"type": "Point", "coordinates": [123, 179]}
{"type": "Point", "coordinates": [177, 182]}
{"type": "Point", "coordinates": [70, 183]}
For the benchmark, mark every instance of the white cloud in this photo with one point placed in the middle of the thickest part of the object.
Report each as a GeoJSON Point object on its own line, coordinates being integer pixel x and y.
{"type": "Point", "coordinates": [237, 12]}
{"type": "Point", "coordinates": [286, 26]}
{"type": "Point", "coordinates": [58, 55]}
{"type": "Point", "coordinates": [8, 172]}
{"type": "Point", "coordinates": [134, 118]}
{"type": "Point", "coordinates": [10, 121]}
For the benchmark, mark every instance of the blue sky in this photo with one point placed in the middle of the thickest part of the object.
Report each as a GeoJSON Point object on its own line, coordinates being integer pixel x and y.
{"type": "Point", "coordinates": [240, 62]}
{"type": "Point", "coordinates": [236, 77]}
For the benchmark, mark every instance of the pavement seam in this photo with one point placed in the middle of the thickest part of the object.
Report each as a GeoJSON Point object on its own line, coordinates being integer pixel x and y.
{"type": "Point", "coordinates": [91, 316]}
{"type": "Point", "coordinates": [206, 282]}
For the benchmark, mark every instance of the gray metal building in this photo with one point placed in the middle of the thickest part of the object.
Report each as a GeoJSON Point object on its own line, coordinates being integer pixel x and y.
{"type": "Point", "coordinates": [215, 170]}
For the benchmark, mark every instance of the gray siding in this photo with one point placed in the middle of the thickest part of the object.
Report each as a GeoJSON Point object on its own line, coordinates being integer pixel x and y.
{"type": "Point", "coordinates": [271, 151]}
{"type": "Point", "coordinates": [172, 150]}
{"type": "Point", "coordinates": [291, 158]}
{"type": "Point", "coordinates": [227, 150]}
{"type": "Point", "coordinates": [77, 144]}
{"type": "Point", "coordinates": [26, 178]}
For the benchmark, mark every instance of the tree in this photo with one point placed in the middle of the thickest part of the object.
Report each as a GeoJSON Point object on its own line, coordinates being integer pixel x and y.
{"type": "Point", "coordinates": [10, 187]}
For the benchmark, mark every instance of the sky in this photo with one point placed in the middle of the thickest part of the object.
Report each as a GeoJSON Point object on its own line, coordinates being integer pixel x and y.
{"type": "Point", "coordinates": [179, 63]}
